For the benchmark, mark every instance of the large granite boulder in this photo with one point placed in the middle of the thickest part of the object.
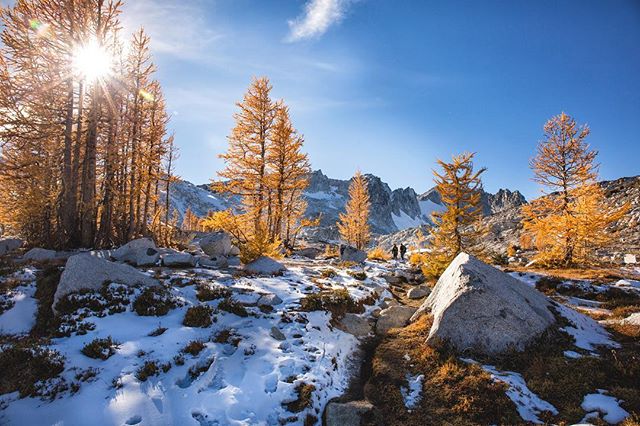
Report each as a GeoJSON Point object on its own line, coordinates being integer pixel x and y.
{"type": "Point", "coordinates": [265, 266]}
{"type": "Point", "coordinates": [84, 271]}
{"type": "Point", "coordinates": [352, 254]}
{"type": "Point", "coordinates": [217, 244]}
{"type": "Point", "coordinates": [140, 252]}
{"type": "Point", "coordinates": [9, 244]}
{"type": "Point", "coordinates": [476, 306]}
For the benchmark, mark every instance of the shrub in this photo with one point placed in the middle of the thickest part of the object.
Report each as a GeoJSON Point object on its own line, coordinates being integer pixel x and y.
{"type": "Point", "coordinates": [193, 348]}
{"type": "Point", "coordinates": [228, 336]}
{"type": "Point", "coordinates": [150, 368]}
{"type": "Point", "coordinates": [379, 254]}
{"type": "Point", "coordinates": [512, 250]}
{"type": "Point", "coordinates": [304, 392]}
{"type": "Point", "coordinates": [338, 302]}
{"type": "Point", "coordinates": [331, 252]}
{"type": "Point", "coordinates": [416, 259]}
{"type": "Point", "coordinates": [198, 316]}
{"type": "Point", "coordinates": [24, 365]}
{"type": "Point", "coordinates": [548, 285]}
{"type": "Point", "coordinates": [100, 348]}
{"type": "Point", "coordinates": [328, 273]}
{"type": "Point", "coordinates": [206, 292]}
{"type": "Point", "coordinates": [230, 305]}
{"type": "Point", "coordinates": [499, 259]}
{"type": "Point", "coordinates": [358, 275]}
{"type": "Point", "coordinates": [154, 301]}
{"type": "Point", "coordinates": [158, 331]}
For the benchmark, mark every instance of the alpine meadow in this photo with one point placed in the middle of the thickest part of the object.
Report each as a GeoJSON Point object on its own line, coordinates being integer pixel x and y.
{"type": "Point", "coordinates": [199, 226]}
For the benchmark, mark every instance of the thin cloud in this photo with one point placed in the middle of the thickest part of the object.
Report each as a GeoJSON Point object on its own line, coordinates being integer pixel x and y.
{"type": "Point", "coordinates": [318, 17]}
{"type": "Point", "coordinates": [177, 28]}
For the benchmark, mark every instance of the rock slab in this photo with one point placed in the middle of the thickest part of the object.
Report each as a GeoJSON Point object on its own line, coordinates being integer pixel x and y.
{"type": "Point", "coordinates": [264, 266]}
{"type": "Point", "coordinates": [9, 244]}
{"type": "Point", "coordinates": [217, 244]}
{"type": "Point", "coordinates": [476, 306]}
{"type": "Point", "coordinates": [140, 252]}
{"type": "Point", "coordinates": [352, 254]}
{"type": "Point", "coordinates": [84, 271]}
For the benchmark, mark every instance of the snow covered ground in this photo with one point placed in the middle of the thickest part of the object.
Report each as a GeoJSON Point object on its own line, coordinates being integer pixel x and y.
{"type": "Point", "coordinates": [247, 379]}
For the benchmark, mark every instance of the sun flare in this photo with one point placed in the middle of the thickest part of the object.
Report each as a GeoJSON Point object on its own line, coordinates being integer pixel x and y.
{"type": "Point", "coordinates": [92, 62]}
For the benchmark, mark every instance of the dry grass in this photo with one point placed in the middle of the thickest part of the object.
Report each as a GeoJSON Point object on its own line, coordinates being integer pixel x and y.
{"type": "Point", "coordinates": [595, 274]}
{"type": "Point", "coordinates": [378, 254]}
{"type": "Point", "coordinates": [338, 302]}
{"type": "Point", "coordinates": [453, 392]}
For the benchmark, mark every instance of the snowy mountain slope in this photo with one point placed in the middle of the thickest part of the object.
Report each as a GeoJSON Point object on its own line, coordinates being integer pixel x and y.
{"type": "Point", "coordinates": [245, 374]}
{"type": "Point", "coordinates": [391, 210]}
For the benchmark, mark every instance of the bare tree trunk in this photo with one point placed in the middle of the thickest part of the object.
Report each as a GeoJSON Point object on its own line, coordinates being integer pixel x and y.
{"type": "Point", "coordinates": [88, 219]}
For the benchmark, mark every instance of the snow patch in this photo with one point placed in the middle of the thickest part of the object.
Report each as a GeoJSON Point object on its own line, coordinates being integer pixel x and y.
{"type": "Point", "coordinates": [412, 394]}
{"type": "Point", "coordinates": [587, 333]}
{"type": "Point", "coordinates": [22, 316]}
{"type": "Point", "coordinates": [596, 403]}
{"type": "Point", "coordinates": [528, 404]}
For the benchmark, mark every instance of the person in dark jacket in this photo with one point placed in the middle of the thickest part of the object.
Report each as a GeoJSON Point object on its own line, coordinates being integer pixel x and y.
{"type": "Point", "coordinates": [403, 251]}
{"type": "Point", "coordinates": [394, 252]}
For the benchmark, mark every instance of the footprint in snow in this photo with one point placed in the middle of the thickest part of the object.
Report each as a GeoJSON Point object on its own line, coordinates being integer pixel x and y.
{"type": "Point", "coordinates": [134, 420]}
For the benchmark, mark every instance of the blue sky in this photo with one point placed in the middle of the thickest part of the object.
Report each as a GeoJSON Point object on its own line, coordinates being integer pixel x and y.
{"type": "Point", "coordinates": [390, 86]}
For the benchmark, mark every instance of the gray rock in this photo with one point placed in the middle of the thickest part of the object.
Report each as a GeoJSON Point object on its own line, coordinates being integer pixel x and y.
{"type": "Point", "coordinates": [8, 245]}
{"type": "Point", "coordinates": [386, 303]}
{"type": "Point", "coordinates": [178, 259]}
{"type": "Point", "coordinates": [355, 324]}
{"type": "Point", "coordinates": [216, 244]}
{"type": "Point", "coordinates": [352, 254]}
{"type": "Point", "coordinates": [393, 279]}
{"type": "Point", "coordinates": [393, 317]}
{"type": "Point", "coordinates": [633, 319]}
{"type": "Point", "coordinates": [212, 262]}
{"type": "Point", "coordinates": [269, 300]}
{"type": "Point", "coordinates": [346, 413]}
{"type": "Point", "coordinates": [84, 271]}
{"type": "Point", "coordinates": [476, 306]}
{"type": "Point", "coordinates": [375, 312]}
{"type": "Point", "coordinates": [418, 292]}
{"type": "Point", "coordinates": [308, 252]}
{"type": "Point", "coordinates": [264, 266]}
{"type": "Point", "coordinates": [41, 255]}
{"type": "Point", "coordinates": [277, 334]}
{"type": "Point", "coordinates": [234, 251]}
{"type": "Point", "coordinates": [140, 252]}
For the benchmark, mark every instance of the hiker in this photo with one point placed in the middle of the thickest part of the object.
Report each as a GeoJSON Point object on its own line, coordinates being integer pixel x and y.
{"type": "Point", "coordinates": [394, 252]}
{"type": "Point", "coordinates": [403, 251]}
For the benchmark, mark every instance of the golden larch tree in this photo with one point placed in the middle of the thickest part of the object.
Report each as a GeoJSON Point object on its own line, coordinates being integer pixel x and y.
{"type": "Point", "coordinates": [568, 224]}
{"type": "Point", "coordinates": [458, 227]}
{"type": "Point", "coordinates": [288, 178]}
{"type": "Point", "coordinates": [354, 222]}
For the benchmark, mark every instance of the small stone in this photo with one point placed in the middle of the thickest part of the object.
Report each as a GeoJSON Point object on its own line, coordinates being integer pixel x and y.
{"type": "Point", "coordinates": [418, 292]}
{"type": "Point", "coordinates": [269, 300]}
{"type": "Point", "coordinates": [277, 334]}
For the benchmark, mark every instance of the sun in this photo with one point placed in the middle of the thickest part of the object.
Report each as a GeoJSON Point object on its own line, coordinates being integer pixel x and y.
{"type": "Point", "coordinates": [92, 62]}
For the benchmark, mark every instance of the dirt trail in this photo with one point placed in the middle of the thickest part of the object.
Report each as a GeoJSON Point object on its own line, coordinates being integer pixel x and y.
{"type": "Point", "coordinates": [361, 376]}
